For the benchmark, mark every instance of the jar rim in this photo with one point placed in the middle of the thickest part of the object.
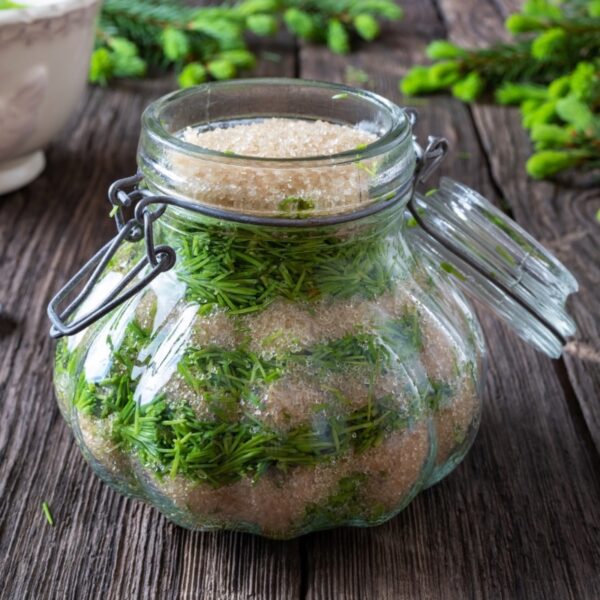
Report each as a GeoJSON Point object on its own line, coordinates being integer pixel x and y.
{"type": "Point", "coordinates": [399, 129]}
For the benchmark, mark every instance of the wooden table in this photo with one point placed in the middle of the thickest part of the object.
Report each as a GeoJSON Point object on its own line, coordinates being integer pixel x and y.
{"type": "Point", "coordinates": [519, 518]}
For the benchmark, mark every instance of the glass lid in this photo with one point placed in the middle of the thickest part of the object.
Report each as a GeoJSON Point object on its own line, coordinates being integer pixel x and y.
{"type": "Point", "coordinates": [496, 261]}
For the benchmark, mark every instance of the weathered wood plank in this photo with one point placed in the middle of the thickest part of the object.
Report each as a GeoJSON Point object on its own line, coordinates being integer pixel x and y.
{"type": "Point", "coordinates": [518, 519]}
{"type": "Point", "coordinates": [561, 217]}
{"type": "Point", "coordinates": [103, 545]}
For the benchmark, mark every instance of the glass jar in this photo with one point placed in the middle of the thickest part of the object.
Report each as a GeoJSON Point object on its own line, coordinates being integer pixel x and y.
{"type": "Point", "coordinates": [280, 345]}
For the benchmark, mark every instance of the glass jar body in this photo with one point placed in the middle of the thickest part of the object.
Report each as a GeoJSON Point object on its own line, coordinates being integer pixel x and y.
{"type": "Point", "coordinates": [307, 360]}
{"type": "Point", "coordinates": [277, 380]}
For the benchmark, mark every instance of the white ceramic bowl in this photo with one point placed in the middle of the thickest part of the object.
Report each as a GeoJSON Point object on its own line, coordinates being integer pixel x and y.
{"type": "Point", "coordinates": [44, 55]}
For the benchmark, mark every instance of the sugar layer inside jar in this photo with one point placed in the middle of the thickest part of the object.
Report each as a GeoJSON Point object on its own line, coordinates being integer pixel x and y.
{"type": "Point", "coordinates": [262, 187]}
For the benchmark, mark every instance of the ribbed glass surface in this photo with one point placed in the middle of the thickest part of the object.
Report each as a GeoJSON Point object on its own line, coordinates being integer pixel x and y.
{"type": "Point", "coordinates": [497, 262]}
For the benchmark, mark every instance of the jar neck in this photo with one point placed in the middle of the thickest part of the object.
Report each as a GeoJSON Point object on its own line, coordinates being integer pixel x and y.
{"type": "Point", "coordinates": [334, 184]}
{"type": "Point", "coordinates": [184, 225]}
{"type": "Point", "coordinates": [294, 190]}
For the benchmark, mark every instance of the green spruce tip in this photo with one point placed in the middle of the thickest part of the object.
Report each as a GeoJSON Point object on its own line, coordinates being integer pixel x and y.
{"type": "Point", "coordinates": [382, 9]}
{"type": "Point", "coordinates": [101, 66]}
{"type": "Point", "coordinates": [241, 58]}
{"type": "Point", "coordinates": [519, 23]}
{"type": "Point", "coordinates": [300, 23]}
{"type": "Point", "coordinates": [240, 269]}
{"type": "Point", "coordinates": [366, 26]}
{"type": "Point", "coordinates": [546, 163]}
{"type": "Point", "coordinates": [8, 5]}
{"type": "Point", "coordinates": [249, 8]}
{"type": "Point", "coordinates": [547, 136]}
{"type": "Point", "coordinates": [118, 58]}
{"type": "Point", "coordinates": [469, 88]}
{"type": "Point", "coordinates": [584, 82]}
{"type": "Point", "coordinates": [164, 34]}
{"type": "Point", "coordinates": [550, 42]}
{"type": "Point", "coordinates": [175, 44]}
{"type": "Point", "coordinates": [538, 113]}
{"type": "Point", "coordinates": [576, 113]}
{"type": "Point", "coordinates": [445, 73]}
{"type": "Point", "coordinates": [172, 440]}
{"type": "Point", "coordinates": [192, 74]}
{"type": "Point", "coordinates": [338, 39]}
{"type": "Point", "coordinates": [547, 72]}
{"type": "Point", "coordinates": [444, 50]}
{"type": "Point", "coordinates": [593, 9]}
{"type": "Point", "coordinates": [516, 93]}
{"type": "Point", "coordinates": [417, 81]}
{"type": "Point", "coordinates": [221, 68]}
{"type": "Point", "coordinates": [263, 25]}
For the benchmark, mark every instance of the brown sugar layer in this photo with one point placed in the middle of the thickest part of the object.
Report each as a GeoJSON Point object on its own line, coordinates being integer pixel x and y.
{"type": "Point", "coordinates": [96, 438]}
{"type": "Point", "coordinates": [455, 421]}
{"type": "Point", "coordinates": [270, 188]}
{"type": "Point", "coordinates": [278, 503]}
{"type": "Point", "coordinates": [280, 138]}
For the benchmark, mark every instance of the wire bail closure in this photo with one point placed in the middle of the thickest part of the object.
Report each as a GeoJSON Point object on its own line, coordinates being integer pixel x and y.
{"type": "Point", "coordinates": [130, 193]}
{"type": "Point", "coordinates": [161, 258]}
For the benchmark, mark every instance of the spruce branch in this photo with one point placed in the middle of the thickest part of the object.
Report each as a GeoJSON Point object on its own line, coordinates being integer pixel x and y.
{"type": "Point", "coordinates": [551, 71]}
{"type": "Point", "coordinates": [201, 43]}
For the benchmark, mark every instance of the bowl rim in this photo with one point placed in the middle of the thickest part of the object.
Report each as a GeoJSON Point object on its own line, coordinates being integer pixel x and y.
{"type": "Point", "coordinates": [38, 12]}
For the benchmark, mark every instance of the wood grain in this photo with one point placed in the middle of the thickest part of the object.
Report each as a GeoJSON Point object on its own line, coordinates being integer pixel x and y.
{"type": "Point", "coordinates": [491, 529]}
{"type": "Point", "coordinates": [103, 545]}
{"type": "Point", "coordinates": [518, 519]}
{"type": "Point", "coordinates": [562, 217]}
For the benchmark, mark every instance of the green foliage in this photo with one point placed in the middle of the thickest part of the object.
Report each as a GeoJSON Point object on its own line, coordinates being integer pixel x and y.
{"type": "Point", "coordinates": [594, 8]}
{"type": "Point", "coordinates": [263, 25]}
{"type": "Point", "coordinates": [443, 50]}
{"type": "Point", "coordinates": [551, 71]}
{"type": "Point", "coordinates": [119, 58]}
{"type": "Point", "coordinates": [232, 442]}
{"type": "Point", "coordinates": [250, 8]}
{"type": "Point", "coordinates": [417, 81]}
{"type": "Point", "coordinates": [515, 93]}
{"type": "Point", "coordinates": [193, 40]}
{"type": "Point", "coordinates": [519, 23]}
{"type": "Point", "coordinates": [175, 44]}
{"type": "Point", "coordinates": [101, 66]}
{"type": "Point", "coordinates": [338, 39]}
{"type": "Point", "coordinates": [382, 9]}
{"type": "Point", "coordinates": [221, 68]}
{"type": "Point", "coordinates": [8, 4]}
{"type": "Point", "coordinates": [546, 136]}
{"type": "Point", "coordinates": [300, 23]}
{"type": "Point", "coordinates": [243, 269]}
{"type": "Point", "coordinates": [366, 26]}
{"type": "Point", "coordinates": [548, 162]}
{"type": "Point", "coordinates": [192, 74]}
{"type": "Point", "coordinates": [551, 42]}
{"type": "Point", "coordinates": [468, 88]}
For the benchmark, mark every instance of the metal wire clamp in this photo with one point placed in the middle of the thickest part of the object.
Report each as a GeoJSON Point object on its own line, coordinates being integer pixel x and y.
{"type": "Point", "coordinates": [160, 258]}
{"type": "Point", "coordinates": [127, 193]}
